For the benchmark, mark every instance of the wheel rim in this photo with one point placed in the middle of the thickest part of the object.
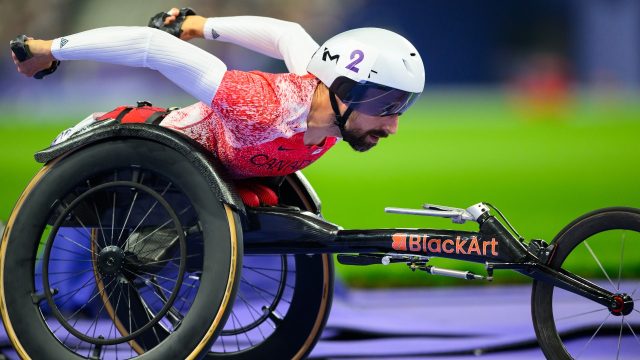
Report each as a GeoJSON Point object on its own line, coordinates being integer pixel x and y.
{"type": "Point", "coordinates": [129, 259]}
{"type": "Point", "coordinates": [264, 295]}
{"type": "Point", "coordinates": [610, 259]}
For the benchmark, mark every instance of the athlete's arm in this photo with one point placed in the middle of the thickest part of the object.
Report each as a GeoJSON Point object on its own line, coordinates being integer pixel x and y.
{"type": "Point", "coordinates": [272, 37]}
{"type": "Point", "coordinates": [196, 71]}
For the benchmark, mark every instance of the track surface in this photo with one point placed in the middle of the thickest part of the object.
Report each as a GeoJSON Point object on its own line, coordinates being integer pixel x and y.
{"type": "Point", "coordinates": [483, 322]}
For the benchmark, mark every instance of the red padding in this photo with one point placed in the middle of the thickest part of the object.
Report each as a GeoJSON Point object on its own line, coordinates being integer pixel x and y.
{"type": "Point", "coordinates": [267, 196]}
{"type": "Point", "coordinates": [254, 194]}
{"type": "Point", "coordinates": [134, 115]}
{"type": "Point", "coordinates": [249, 198]}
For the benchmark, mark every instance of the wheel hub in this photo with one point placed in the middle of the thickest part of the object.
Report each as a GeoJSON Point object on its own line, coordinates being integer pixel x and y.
{"type": "Point", "coordinates": [110, 260]}
{"type": "Point", "coordinates": [621, 305]}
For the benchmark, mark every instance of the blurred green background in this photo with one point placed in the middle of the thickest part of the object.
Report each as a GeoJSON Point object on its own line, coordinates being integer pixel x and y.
{"type": "Point", "coordinates": [451, 149]}
{"type": "Point", "coordinates": [531, 106]}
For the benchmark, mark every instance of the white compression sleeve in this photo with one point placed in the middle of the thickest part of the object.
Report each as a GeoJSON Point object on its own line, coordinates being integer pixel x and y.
{"type": "Point", "coordinates": [272, 37]}
{"type": "Point", "coordinates": [196, 71]}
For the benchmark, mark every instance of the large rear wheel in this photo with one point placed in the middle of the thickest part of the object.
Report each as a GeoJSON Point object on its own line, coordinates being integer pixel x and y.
{"type": "Point", "coordinates": [283, 301]}
{"type": "Point", "coordinates": [119, 250]}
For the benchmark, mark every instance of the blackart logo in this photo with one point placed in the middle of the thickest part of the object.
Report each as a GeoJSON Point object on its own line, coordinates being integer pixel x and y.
{"type": "Point", "coordinates": [462, 246]}
{"type": "Point", "coordinates": [326, 54]}
{"type": "Point", "coordinates": [63, 42]}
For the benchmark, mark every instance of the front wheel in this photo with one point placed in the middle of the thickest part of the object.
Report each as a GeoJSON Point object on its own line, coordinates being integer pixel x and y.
{"type": "Point", "coordinates": [603, 247]}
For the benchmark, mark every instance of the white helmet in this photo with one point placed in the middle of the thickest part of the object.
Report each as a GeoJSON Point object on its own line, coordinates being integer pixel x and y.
{"type": "Point", "coordinates": [373, 71]}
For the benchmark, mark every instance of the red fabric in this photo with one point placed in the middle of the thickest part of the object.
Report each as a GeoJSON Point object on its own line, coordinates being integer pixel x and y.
{"type": "Point", "coordinates": [135, 115]}
{"type": "Point", "coordinates": [255, 124]}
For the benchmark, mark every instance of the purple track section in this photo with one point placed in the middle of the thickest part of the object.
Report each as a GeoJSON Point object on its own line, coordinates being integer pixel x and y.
{"type": "Point", "coordinates": [480, 322]}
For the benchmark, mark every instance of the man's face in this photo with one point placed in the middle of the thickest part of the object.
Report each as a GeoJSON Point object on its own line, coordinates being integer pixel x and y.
{"type": "Point", "coordinates": [363, 131]}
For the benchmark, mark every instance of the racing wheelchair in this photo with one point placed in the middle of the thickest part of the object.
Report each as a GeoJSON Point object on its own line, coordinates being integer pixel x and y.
{"type": "Point", "coordinates": [130, 243]}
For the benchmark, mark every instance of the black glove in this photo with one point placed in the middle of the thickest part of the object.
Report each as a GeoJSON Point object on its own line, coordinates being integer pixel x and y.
{"type": "Point", "coordinates": [21, 50]}
{"type": "Point", "coordinates": [157, 21]}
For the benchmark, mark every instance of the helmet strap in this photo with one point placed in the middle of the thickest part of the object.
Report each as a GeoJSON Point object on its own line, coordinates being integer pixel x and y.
{"type": "Point", "coordinates": [341, 119]}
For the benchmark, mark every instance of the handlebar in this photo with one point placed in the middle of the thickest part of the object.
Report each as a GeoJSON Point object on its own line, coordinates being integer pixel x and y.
{"type": "Point", "coordinates": [458, 216]}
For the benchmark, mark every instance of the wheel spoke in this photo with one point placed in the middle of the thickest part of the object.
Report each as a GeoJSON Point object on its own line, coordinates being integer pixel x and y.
{"type": "Point", "coordinates": [624, 233]}
{"type": "Point", "coordinates": [265, 269]}
{"type": "Point", "coordinates": [131, 246]}
{"type": "Point", "coordinates": [86, 283]}
{"type": "Point", "coordinates": [258, 290]}
{"type": "Point", "coordinates": [630, 328]}
{"type": "Point", "coordinates": [126, 242]}
{"type": "Point", "coordinates": [88, 235]}
{"type": "Point", "coordinates": [126, 219]}
{"type": "Point", "coordinates": [158, 276]}
{"type": "Point", "coordinates": [249, 306]}
{"type": "Point", "coordinates": [246, 333]}
{"type": "Point", "coordinates": [186, 297]}
{"type": "Point", "coordinates": [236, 335]}
{"type": "Point", "coordinates": [170, 259]}
{"type": "Point", "coordinates": [270, 277]}
{"type": "Point", "coordinates": [79, 245]}
{"type": "Point", "coordinates": [599, 264]}
{"type": "Point", "coordinates": [224, 347]}
{"type": "Point", "coordinates": [95, 209]}
{"type": "Point", "coordinates": [68, 278]}
{"type": "Point", "coordinates": [161, 226]}
{"type": "Point", "coordinates": [68, 260]}
{"type": "Point", "coordinates": [620, 337]}
{"type": "Point", "coordinates": [593, 336]}
{"type": "Point", "coordinates": [113, 212]}
{"type": "Point", "coordinates": [91, 299]}
{"type": "Point", "coordinates": [580, 314]}
{"type": "Point", "coordinates": [53, 247]}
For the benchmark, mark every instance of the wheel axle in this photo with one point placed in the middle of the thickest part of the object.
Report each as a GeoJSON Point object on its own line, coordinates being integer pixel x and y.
{"type": "Point", "coordinates": [621, 305]}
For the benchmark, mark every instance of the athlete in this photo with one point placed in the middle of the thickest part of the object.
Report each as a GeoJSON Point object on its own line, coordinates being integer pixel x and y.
{"type": "Point", "coordinates": [353, 87]}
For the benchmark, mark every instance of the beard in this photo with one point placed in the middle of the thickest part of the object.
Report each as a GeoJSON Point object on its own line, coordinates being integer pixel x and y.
{"type": "Point", "coordinates": [359, 140]}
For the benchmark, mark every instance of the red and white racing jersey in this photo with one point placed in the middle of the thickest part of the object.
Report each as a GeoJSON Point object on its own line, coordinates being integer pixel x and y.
{"type": "Point", "coordinates": [255, 124]}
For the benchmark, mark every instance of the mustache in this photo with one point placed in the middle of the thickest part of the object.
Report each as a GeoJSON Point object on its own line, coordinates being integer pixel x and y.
{"type": "Point", "coordinates": [378, 133]}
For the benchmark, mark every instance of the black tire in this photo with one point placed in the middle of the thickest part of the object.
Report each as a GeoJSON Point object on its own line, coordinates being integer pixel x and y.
{"type": "Point", "coordinates": [301, 312]}
{"type": "Point", "coordinates": [601, 246]}
{"type": "Point", "coordinates": [209, 246]}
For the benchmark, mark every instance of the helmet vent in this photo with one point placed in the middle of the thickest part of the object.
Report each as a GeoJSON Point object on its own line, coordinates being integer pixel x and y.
{"type": "Point", "coordinates": [408, 66]}
{"type": "Point", "coordinates": [413, 54]}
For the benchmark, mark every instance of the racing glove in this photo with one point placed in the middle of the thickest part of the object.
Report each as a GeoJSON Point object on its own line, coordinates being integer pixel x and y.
{"type": "Point", "coordinates": [175, 28]}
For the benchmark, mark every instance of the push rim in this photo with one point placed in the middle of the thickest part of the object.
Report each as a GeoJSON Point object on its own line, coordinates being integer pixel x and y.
{"type": "Point", "coordinates": [125, 264]}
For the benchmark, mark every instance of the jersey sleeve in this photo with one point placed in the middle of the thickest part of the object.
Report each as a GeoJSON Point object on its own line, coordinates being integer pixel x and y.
{"type": "Point", "coordinates": [272, 37]}
{"type": "Point", "coordinates": [194, 70]}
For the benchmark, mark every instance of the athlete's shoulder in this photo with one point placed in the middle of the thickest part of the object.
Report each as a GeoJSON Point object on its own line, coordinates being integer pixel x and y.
{"type": "Point", "coordinates": [290, 88]}
{"type": "Point", "coordinates": [235, 78]}
{"type": "Point", "coordinates": [262, 93]}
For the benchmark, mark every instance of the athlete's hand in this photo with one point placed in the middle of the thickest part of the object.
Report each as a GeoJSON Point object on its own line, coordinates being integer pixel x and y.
{"type": "Point", "coordinates": [182, 23]}
{"type": "Point", "coordinates": [41, 60]}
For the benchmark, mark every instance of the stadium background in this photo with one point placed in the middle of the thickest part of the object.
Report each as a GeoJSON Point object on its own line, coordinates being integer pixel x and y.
{"type": "Point", "coordinates": [530, 105]}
